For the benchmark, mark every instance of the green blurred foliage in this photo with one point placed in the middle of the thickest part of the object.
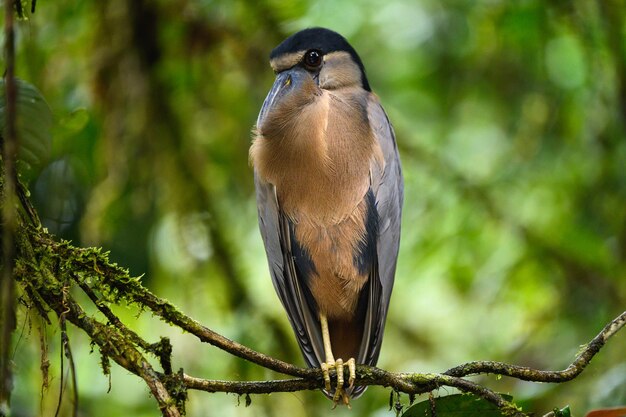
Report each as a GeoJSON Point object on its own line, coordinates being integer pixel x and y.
{"type": "Point", "coordinates": [511, 123]}
{"type": "Point", "coordinates": [456, 405]}
{"type": "Point", "coordinates": [33, 123]}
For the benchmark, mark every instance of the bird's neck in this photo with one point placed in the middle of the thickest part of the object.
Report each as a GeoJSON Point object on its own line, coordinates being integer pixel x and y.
{"type": "Point", "coordinates": [319, 160]}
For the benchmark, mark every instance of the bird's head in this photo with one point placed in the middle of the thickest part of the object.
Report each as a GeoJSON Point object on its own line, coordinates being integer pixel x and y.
{"type": "Point", "coordinates": [306, 64]}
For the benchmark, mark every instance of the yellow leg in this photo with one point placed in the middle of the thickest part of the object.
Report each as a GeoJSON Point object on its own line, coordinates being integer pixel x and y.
{"type": "Point", "coordinates": [329, 363]}
{"type": "Point", "coordinates": [328, 351]}
{"type": "Point", "coordinates": [338, 365]}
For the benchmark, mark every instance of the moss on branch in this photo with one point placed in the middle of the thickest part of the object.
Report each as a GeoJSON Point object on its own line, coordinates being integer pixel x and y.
{"type": "Point", "coordinates": [46, 269]}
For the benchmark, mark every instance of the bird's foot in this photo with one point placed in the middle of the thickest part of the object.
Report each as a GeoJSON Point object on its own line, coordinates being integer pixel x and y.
{"type": "Point", "coordinates": [340, 393]}
{"type": "Point", "coordinates": [326, 367]}
{"type": "Point", "coordinates": [352, 368]}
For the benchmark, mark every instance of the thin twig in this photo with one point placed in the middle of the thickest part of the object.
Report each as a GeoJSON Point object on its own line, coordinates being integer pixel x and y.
{"type": "Point", "coordinates": [391, 379]}
{"type": "Point", "coordinates": [164, 357]}
{"type": "Point", "coordinates": [250, 387]}
{"type": "Point", "coordinates": [67, 350]}
{"type": "Point", "coordinates": [535, 375]}
{"type": "Point", "coordinates": [111, 342]}
{"type": "Point", "coordinates": [420, 383]}
{"type": "Point", "coordinates": [112, 318]}
{"type": "Point", "coordinates": [164, 309]}
{"type": "Point", "coordinates": [415, 383]}
{"type": "Point", "coordinates": [170, 314]}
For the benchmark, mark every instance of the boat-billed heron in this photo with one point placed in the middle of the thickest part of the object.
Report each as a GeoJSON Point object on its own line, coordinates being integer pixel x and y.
{"type": "Point", "coordinates": [329, 192]}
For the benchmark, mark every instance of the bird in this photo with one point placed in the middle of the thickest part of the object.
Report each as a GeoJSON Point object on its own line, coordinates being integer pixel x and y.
{"type": "Point", "coordinates": [329, 191]}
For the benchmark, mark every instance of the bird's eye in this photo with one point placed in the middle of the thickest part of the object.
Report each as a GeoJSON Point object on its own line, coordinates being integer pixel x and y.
{"type": "Point", "coordinates": [313, 59]}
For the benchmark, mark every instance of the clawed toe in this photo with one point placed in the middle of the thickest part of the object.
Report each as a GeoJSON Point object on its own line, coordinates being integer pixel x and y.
{"type": "Point", "coordinates": [352, 368]}
{"type": "Point", "coordinates": [340, 390]}
{"type": "Point", "coordinates": [325, 372]}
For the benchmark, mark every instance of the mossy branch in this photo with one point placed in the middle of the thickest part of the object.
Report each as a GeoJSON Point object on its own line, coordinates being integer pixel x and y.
{"type": "Point", "coordinates": [44, 264]}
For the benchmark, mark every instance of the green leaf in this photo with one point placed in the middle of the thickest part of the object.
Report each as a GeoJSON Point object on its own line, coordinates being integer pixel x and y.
{"type": "Point", "coordinates": [563, 412]}
{"type": "Point", "coordinates": [34, 120]}
{"type": "Point", "coordinates": [456, 405]}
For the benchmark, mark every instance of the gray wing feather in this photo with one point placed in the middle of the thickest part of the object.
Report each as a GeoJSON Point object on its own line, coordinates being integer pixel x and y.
{"type": "Point", "coordinates": [389, 198]}
{"type": "Point", "coordinates": [387, 186]}
{"type": "Point", "coordinates": [274, 228]}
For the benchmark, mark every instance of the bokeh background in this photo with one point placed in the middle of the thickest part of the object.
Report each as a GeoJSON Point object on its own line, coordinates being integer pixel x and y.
{"type": "Point", "coordinates": [510, 118]}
